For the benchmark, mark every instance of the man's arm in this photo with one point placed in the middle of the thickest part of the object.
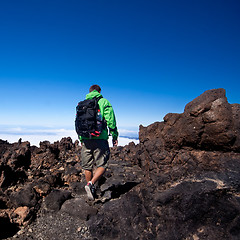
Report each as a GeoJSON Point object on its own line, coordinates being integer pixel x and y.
{"type": "Point", "coordinates": [110, 118]}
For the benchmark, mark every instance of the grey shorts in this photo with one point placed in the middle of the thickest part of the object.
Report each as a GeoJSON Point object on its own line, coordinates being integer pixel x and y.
{"type": "Point", "coordinates": [94, 151]}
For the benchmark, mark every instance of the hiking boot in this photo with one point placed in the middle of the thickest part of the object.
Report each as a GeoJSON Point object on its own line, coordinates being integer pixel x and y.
{"type": "Point", "coordinates": [90, 189]}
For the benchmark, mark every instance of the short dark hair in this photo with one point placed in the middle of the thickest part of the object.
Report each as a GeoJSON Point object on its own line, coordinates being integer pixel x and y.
{"type": "Point", "coordinates": [95, 87]}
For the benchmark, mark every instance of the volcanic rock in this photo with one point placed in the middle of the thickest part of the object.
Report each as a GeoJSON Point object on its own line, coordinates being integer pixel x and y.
{"type": "Point", "coordinates": [209, 122]}
{"type": "Point", "coordinates": [55, 199]}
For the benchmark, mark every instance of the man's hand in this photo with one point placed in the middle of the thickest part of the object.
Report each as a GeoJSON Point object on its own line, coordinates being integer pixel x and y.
{"type": "Point", "coordinates": [115, 142]}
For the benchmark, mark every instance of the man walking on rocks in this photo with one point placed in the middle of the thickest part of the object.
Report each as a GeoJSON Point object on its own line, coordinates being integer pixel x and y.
{"type": "Point", "coordinates": [95, 148]}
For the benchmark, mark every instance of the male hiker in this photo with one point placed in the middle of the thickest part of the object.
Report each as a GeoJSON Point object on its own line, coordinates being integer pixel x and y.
{"type": "Point", "coordinates": [95, 148]}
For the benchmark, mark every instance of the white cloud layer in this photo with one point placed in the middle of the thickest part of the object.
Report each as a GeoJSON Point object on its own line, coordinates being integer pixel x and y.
{"type": "Point", "coordinates": [36, 135]}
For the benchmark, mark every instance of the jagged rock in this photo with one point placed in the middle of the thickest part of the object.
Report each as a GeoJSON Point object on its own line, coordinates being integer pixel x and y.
{"type": "Point", "coordinates": [45, 156]}
{"type": "Point", "coordinates": [26, 196]}
{"type": "Point", "coordinates": [23, 215]}
{"type": "Point", "coordinates": [78, 208]}
{"type": "Point", "coordinates": [13, 162]}
{"type": "Point", "coordinates": [77, 188]}
{"type": "Point", "coordinates": [236, 125]}
{"type": "Point", "coordinates": [211, 206]}
{"type": "Point", "coordinates": [55, 199]}
{"type": "Point", "coordinates": [209, 122]}
{"type": "Point", "coordinates": [42, 188]}
{"type": "Point", "coordinates": [124, 218]}
{"type": "Point", "coordinates": [4, 145]}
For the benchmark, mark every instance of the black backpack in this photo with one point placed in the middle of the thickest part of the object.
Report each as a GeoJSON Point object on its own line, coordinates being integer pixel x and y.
{"type": "Point", "coordinates": [86, 122]}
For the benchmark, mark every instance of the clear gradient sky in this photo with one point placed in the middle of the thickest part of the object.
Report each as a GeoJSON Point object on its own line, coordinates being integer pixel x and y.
{"type": "Point", "coordinates": [150, 57]}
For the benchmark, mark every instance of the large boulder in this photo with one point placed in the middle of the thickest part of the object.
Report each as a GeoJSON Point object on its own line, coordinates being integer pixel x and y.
{"type": "Point", "coordinates": [208, 122]}
{"type": "Point", "coordinates": [15, 159]}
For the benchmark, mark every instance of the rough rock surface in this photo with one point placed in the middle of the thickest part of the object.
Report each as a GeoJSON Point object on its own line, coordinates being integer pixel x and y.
{"type": "Point", "coordinates": [181, 182]}
{"type": "Point", "coordinates": [209, 123]}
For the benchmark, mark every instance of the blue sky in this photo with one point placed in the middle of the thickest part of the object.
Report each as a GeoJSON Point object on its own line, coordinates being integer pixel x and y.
{"type": "Point", "coordinates": [150, 57]}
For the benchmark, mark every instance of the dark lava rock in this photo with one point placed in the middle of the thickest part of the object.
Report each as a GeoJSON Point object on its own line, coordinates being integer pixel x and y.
{"type": "Point", "coordinates": [15, 160]}
{"type": "Point", "coordinates": [124, 218]}
{"type": "Point", "coordinates": [55, 199]}
{"type": "Point", "coordinates": [79, 208]}
{"type": "Point", "coordinates": [27, 196]}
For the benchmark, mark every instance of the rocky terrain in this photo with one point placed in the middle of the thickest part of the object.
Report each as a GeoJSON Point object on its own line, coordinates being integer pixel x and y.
{"type": "Point", "coordinates": [182, 181]}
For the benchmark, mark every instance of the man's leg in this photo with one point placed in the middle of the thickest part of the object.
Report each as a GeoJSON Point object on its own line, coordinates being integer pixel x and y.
{"type": "Point", "coordinates": [101, 155]}
{"type": "Point", "coordinates": [97, 175]}
{"type": "Point", "coordinates": [90, 189]}
{"type": "Point", "coordinates": [88, 175]}
{"type": "Point", "coordinates": [100, 152]}
{"type": "Point", "coordinates": [87, 160]}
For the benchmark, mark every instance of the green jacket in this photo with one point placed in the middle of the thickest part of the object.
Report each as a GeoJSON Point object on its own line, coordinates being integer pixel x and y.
{"type": "Point", "coordinates": [108, 114]}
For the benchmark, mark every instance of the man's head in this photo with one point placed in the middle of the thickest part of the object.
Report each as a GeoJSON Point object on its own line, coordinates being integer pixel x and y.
{"type": "Point", "coordinates": [95, 87]}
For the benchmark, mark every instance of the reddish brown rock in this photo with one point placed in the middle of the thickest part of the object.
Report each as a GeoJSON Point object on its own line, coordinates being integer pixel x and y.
{"type": "Point", "coordinates": [208, 122]}
{"type": "Point", "coordinates": [23, 215]}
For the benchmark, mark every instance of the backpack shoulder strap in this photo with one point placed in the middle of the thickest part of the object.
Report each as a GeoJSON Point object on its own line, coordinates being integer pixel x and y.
{"type": "Point", "coordinates": [98, 98]}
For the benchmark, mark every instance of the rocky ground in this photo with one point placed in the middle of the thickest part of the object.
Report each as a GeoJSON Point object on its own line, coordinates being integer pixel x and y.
{"type": "Point", "coordinates": [182, 181]}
